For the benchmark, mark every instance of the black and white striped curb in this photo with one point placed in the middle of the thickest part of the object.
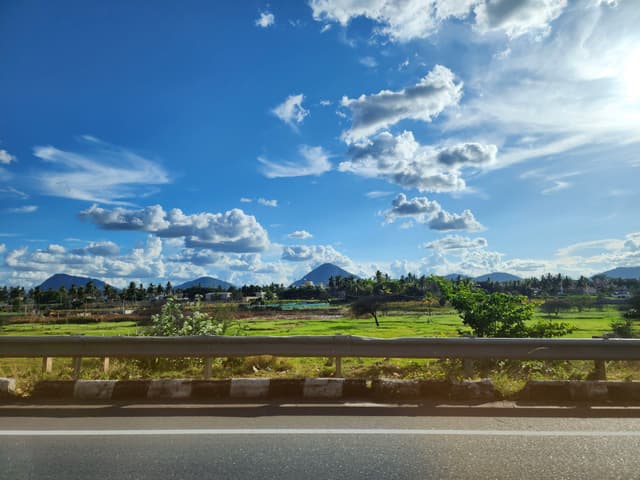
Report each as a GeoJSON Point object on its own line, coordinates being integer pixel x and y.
{"type": "Point", "coordinates": [264, 389]}
{"type": "Point", "coordinates": [239, 389]}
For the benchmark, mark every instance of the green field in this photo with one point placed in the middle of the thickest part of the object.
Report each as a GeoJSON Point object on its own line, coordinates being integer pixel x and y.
{"type": "Point", "coordinates": [443, 323]}
{"type": "Point", "coordinates": [508, 376]}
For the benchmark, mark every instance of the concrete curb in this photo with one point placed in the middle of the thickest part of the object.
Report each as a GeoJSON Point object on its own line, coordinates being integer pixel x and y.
{"type": "Point", "coordinates": [580, 391]}
{"type": "Point", "coordinates": [544, 392]}
{"type": "Point", "coordinates": [7, 387]}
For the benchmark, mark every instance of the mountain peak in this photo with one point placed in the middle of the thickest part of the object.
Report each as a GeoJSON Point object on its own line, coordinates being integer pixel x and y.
{"type": "Point", "coordinates": [321, 275]}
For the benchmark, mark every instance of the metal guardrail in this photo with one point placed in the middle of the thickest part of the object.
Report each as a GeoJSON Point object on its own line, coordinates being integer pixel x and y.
{"type": "Point", "coordinates": [466, 348]}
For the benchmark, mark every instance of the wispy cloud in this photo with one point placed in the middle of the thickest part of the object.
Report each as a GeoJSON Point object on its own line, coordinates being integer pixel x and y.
{"type": "Point", "coordinates": [315, 161]}
{"type": "Point", "coordinates": [378, 194]}
{"type": "Point", "coordinates": [104, 174]}
{"type": "Point", "coordinates": [268, 203]}
{"type": "Point", "coordinates": [558, 185]}
{"type": "Point", "coordinates": [23, 209]}
{"type": "Point", "coordinates": [13, 192]}
{"type": "Point", "coordinates": [368, 62]}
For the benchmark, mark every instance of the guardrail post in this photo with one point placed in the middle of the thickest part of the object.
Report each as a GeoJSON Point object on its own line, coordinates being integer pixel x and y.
{"type": "Point", "coordinates": [47, 364]}
{"type": "Point", "coordinates": [105, 365]}
{"type": "Point", "coordinates": [77, 362]}
{"type": "Point", "coordinates": [338, 367]}
{"type": "Point", "coordinates": [207, 367]}
{"type": "Point", "coordinates": [600, 370]}
{"type": "Point", "coordinates": [467, 367]}
{"type": "Point", "coordinates": [600, 367]}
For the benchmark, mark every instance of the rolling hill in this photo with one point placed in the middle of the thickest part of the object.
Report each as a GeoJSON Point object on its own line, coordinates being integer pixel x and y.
{"type": "Point", "coordinates": [622, 272]}
{"type": "Point", "coordinates": [497, 277]}
{"type": "Point", "coordinates": [204, 282]}
{"type": "Point", "coordinates": [63, 280]}
{"type": "Point", "coordinates": [322, 274]}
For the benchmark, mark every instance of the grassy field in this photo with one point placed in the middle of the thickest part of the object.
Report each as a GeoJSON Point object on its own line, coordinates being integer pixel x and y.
{"type": "Point", "coordinates": [509, 376]}
{"type": "Point", "coordinates": [442, 323]}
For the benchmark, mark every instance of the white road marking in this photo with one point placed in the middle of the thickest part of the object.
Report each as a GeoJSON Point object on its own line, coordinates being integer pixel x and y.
{"type": "Point", "coordinates": [317, 431]}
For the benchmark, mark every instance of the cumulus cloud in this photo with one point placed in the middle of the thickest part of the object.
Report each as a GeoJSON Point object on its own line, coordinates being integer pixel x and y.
{"type": "Point", "coordinates": [431, 214]}
{"type": "Point", "coordinates": [517, 17]}
{"type": "Point", "coordinates": [406, 20]}
{"type": "Point", "coordinates": [300, 234]}
{"type": "Point", "coordinates": [399, 20]}
{"type": "Point", "coordinates": [6, 158]}
{"type": "Point", "coordinates": [23, 209]}
{"type": "Point", "coordinates": [314, 254]}
{"type": "Point", "coordinates": [445, 221]}
{"type": "Point", "coordinates": [416, 207]}
{"type": "Point", "coordinates": [403, 161]}
{"type": "Point", "coordinates": [423, 101]}
{"type": "Point", "coordinates": [232, 231]}
{"type": "Point", "coordinates": [142, 262]}
{"type": "Point", "coordinates": [268, 203]}
{"type": "Point", "coordinates": [291, 110]}
{"type": "Point", "coordinates": [265, 20]}
{"type": "Point", "coordinates": [3, 247]}
{"type": "Point", "coordinates": [106, 174]}
{"type": "Point", "coordinates": [315, 161]}
{"type": "Point", "coordinates": [457, 242]}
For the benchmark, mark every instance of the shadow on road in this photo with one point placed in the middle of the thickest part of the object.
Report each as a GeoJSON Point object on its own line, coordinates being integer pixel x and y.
{"type": "Point", "coordinates": [273, 409]}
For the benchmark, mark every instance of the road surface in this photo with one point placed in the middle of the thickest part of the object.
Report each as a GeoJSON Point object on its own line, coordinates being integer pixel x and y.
{"type": "Point", "coordinates": [322, 441]}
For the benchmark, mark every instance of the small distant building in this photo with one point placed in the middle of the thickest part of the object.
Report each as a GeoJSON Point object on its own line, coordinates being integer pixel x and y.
{"type": "Point", "coordinates": [218, 297]}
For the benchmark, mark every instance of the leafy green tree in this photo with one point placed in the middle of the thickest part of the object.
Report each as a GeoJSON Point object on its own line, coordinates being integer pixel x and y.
{"type": "Point", "coordinates": [369, 305]}
{"type": "Point", "coordinates": [492, 315]}
{"type": "Point", "coordinates": [172, 321]}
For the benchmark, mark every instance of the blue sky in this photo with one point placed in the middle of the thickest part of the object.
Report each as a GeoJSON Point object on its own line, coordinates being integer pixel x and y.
{"type": "Point", "coordinates": [252, 141]}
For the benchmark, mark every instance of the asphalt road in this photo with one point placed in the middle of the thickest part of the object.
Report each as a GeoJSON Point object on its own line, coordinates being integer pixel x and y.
{"type": "Point", "coordinates": [303, 442]}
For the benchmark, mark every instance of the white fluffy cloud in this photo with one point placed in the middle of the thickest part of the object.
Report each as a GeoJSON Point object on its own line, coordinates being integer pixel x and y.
{"type": "Point", "coordinates": [291, 110]}
{"type": "Point", "coordinates": [315, 161]}
{"type": "Point", "coordinates": [445, 222]}
{"type": "Point", "coordinates": [106, 174]}
{"type": "Point", "coordinates": [431, 214]}
{"type": "Point", "coordinates": [517, 17]}
{"type": "Point", "coordinates": [144, 262]}
{"type": "Point", "coordinates": [232, 231]}
{"type": "Point", "coordinates": [314, 254]}
{"type": "Point", "coordinates": [406, 20]}
{"type": "Point", "coordinates": [6, 158]}
{"type": "Point", "coordinates": [300, 234]}
{"type": "Point", "coordinates": [423, 101]}
{"type": "Point", "coordinates": [402, 160]}
{"type": "Point", "coordinates": [265, 20]}
{"type": "Point", "coordinates": [399, 20]}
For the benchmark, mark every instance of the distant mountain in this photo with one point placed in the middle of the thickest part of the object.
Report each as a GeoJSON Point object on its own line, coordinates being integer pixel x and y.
{"type": "Point", "coordinates": [622, 272]}
{"type": "Point", "coordinates": [204, 282]}
{"type": "Point", "coordinates": [63, 280]}
{"type": "Point", "coordinates": [455, 276]}
{"type": "Point", "coordinates": [322, 274]}
{"type": "Point", "coordinates": [497, 277]}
